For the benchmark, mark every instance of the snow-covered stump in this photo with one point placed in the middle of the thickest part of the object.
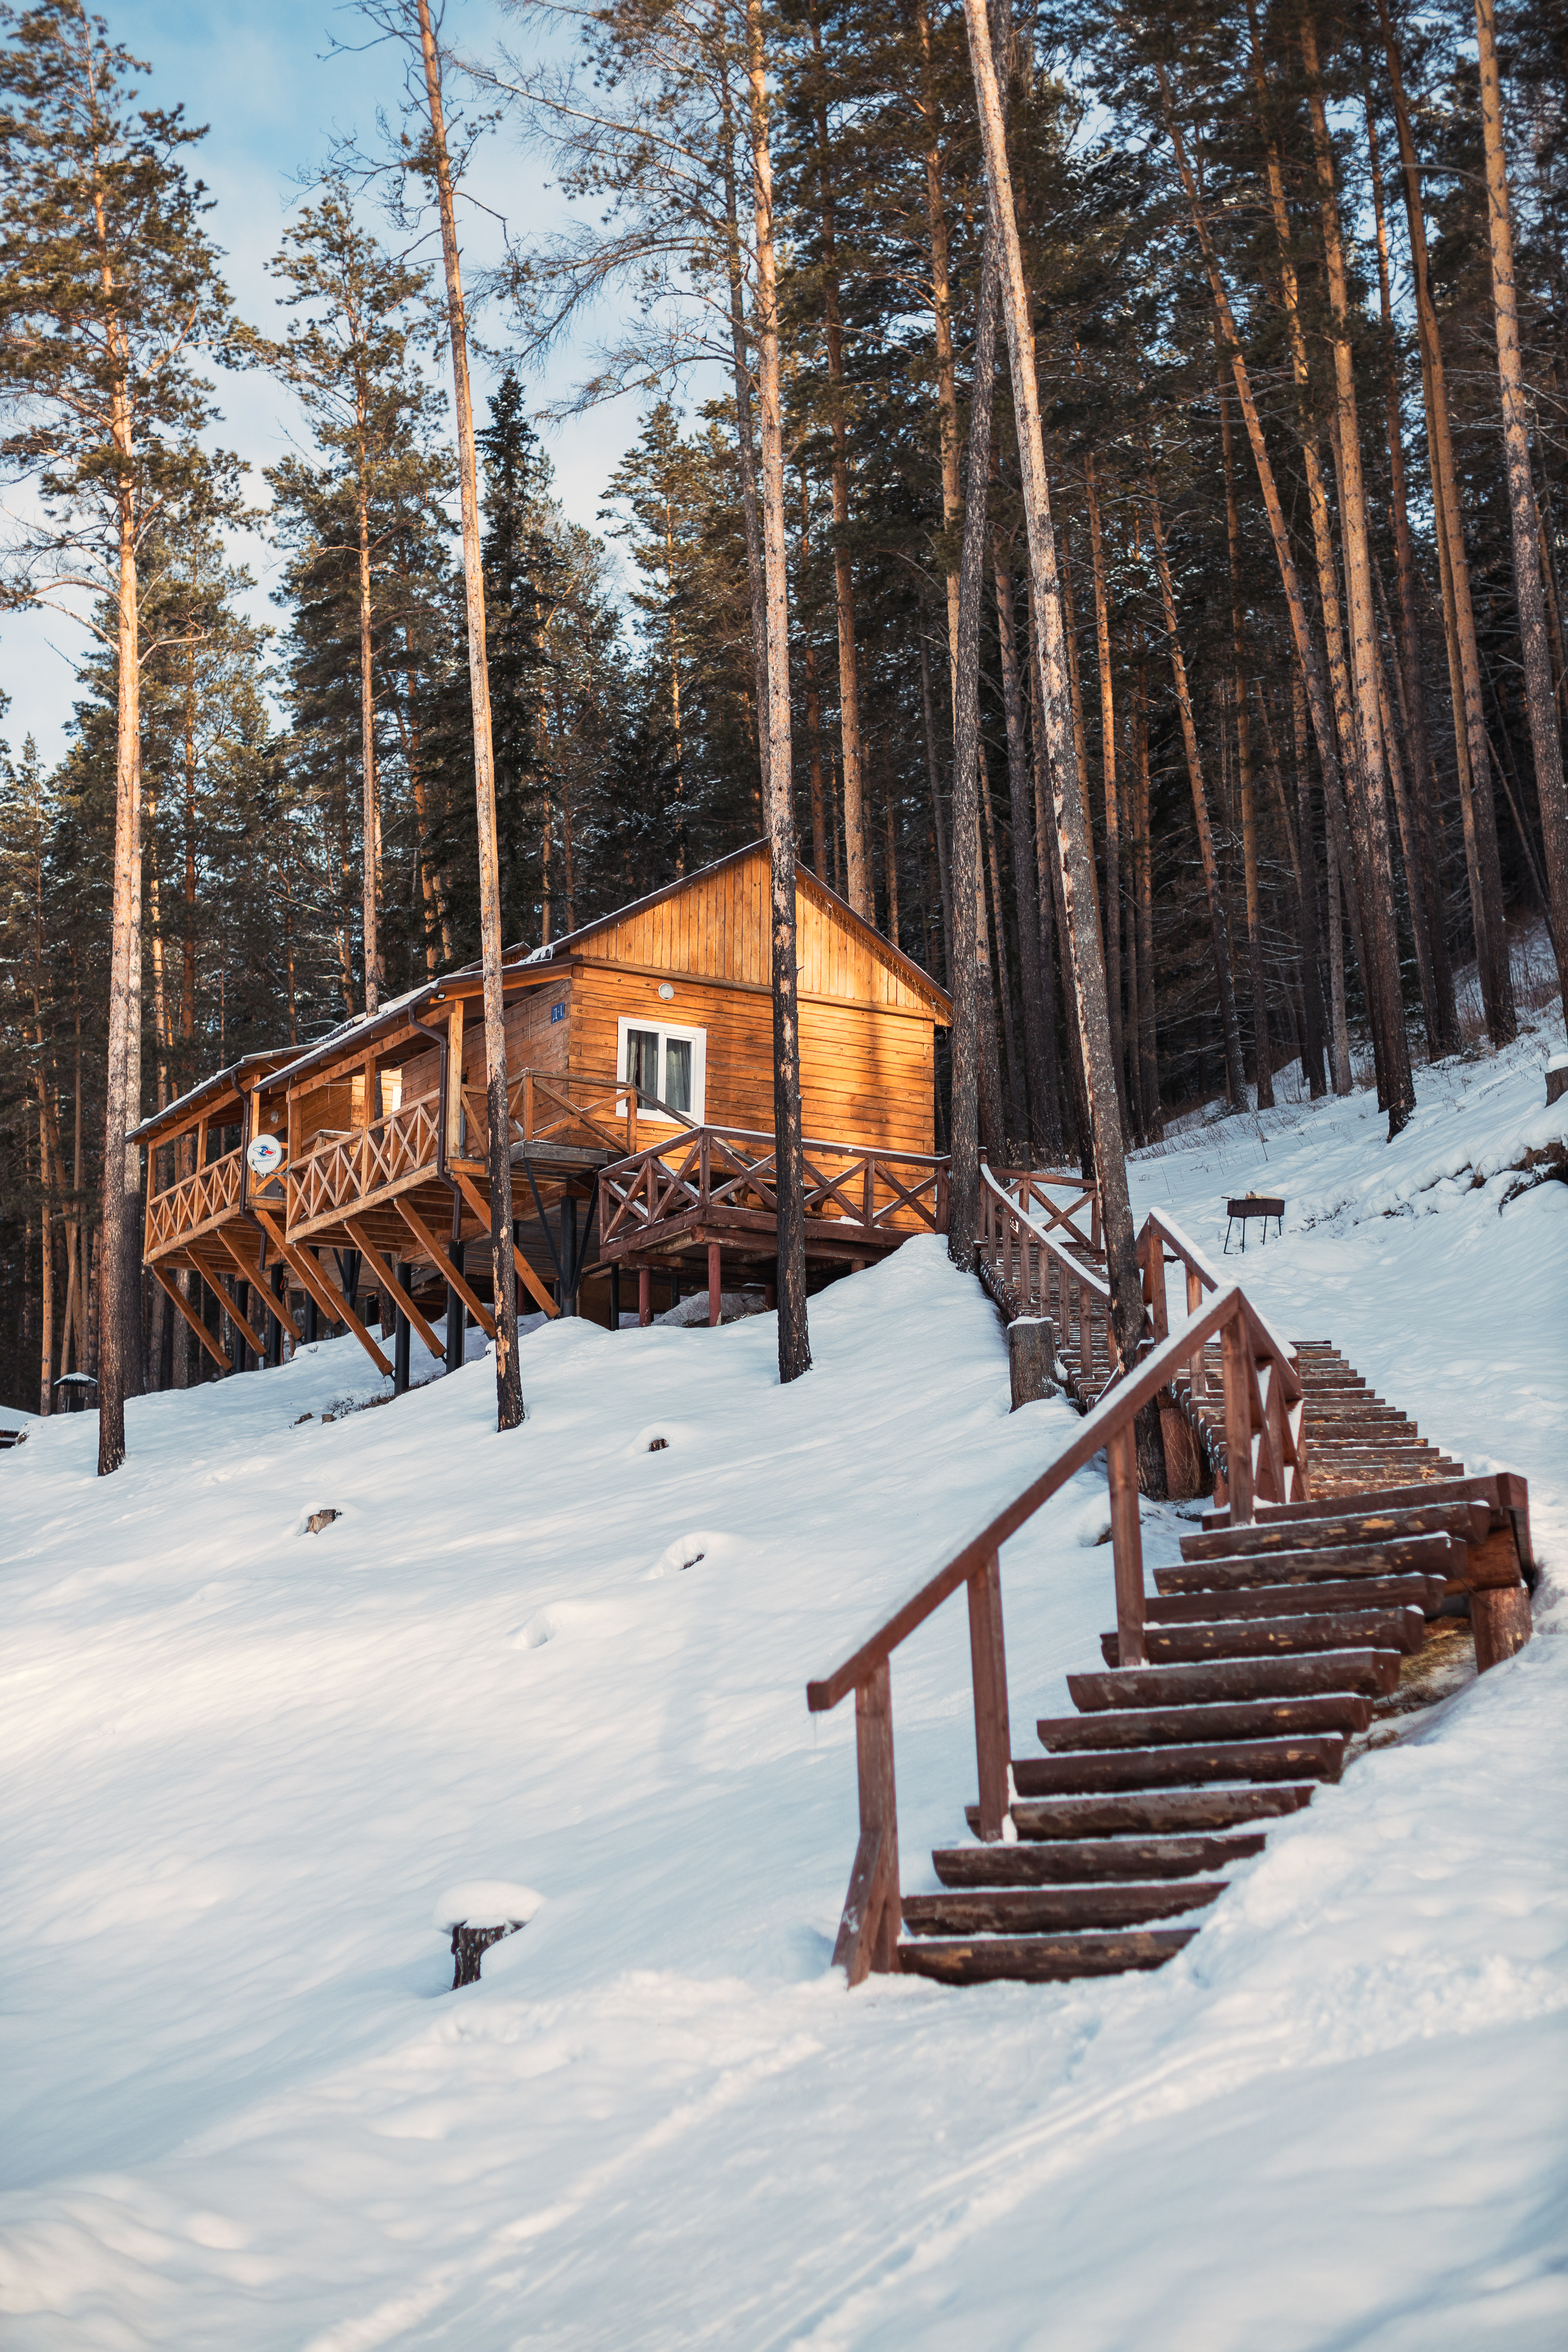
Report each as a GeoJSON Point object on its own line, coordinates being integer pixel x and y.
{"type": "Point", "coordinates": [476, 1914]}
{"type": "Point", "coordinates": [1031, 1359]}
{"type": "Point", "coordinates": [1556, 1077]}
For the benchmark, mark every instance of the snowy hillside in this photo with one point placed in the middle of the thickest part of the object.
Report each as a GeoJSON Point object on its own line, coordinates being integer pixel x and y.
{"type": "Point", "coordinates": [239, 2107]}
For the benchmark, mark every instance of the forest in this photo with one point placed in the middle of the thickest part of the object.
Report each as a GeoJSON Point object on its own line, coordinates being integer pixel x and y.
{"type": "Point", "coordinates": [1102, 493]}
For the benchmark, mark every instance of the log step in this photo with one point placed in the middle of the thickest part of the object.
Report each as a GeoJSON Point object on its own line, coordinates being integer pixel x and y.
{"type": "Point", "coordinates": [1263, 1637]}
{"type": "Point", "coordinates": [1373, 1673]}
{"type": "Point", "coordinates": [1433, 1555]}
{"type": "Point", "coordinates": [1180, 1766]}
{"type": "Point", "coordinates": [1145, 1813]}
{"type": "Point", "coordinates": [1369, 1523]}
{"type": "Point", "coordinates": [1423, 1593]}
{"type": "Point", "coordinates": [1071, 1861]}
{"type": "Point", "coordinates": [1170, 1726]}
{"type": "Point", "coordinates": [1051, 1910]}
{"type": "Point", "coordinates": [1042, 1960]}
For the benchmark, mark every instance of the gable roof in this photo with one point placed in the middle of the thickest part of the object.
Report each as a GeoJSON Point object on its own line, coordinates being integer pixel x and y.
{"type": "Point", "coordinates": [575, 943]}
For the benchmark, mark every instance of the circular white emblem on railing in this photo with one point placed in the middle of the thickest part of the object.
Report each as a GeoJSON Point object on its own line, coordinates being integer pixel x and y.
{"type": "Point", "coordinates": [264, 1155]}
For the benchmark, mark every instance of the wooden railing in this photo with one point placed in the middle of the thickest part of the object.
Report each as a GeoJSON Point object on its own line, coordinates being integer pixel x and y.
{"type": "Point", "coordinates": [733, 1172]}
{"type": "Point", "coordinates": [1053, 1200]}
{"type": "Point", "coordinates": [346, 1172]}
{"type": "Point", "coordinates": [1031, 1260]}
{"type": "Point", "coordinates": [547, 1106]}
{"type": "Point", "coordinates": [1261, 1393]}
{"type": "Point", "coordinates": [194, 1202]}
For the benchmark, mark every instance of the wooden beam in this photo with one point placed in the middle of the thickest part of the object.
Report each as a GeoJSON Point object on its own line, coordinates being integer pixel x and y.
{"type": "Point", "coordinates": [231, 1309]}
{"type": "Point", "coordinates": [312, 1279]}
{"type": "Point", "coordinates": [384, 1272]}
{"type": "Point", "coordinates": [526, 1273]}
{"type": "Point", "coordinates": [443, 1265]}
{"type": "Point", "coordinates": [251, 1269]}
{"type": "Point", "coordinates": [192, 1318]}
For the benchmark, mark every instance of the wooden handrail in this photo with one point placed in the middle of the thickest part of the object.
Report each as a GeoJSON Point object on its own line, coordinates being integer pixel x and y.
{"type": "Point", "coordinates": [1013, 1247]}
{"type": "Point", "coordinates": [1263, 1405]}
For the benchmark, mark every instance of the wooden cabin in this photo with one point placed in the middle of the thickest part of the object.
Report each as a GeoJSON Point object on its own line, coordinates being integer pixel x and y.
{"type": "Point", "coordinates": [639, 1066]}
{"type": "Point", "coordinates": [198, 1217]}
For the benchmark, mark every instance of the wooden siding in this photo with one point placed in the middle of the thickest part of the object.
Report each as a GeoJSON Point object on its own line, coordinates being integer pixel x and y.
{"type": "Point", "coordinates": [866, 1074]}
{"type": "Point", "coordinates": [717, 929]}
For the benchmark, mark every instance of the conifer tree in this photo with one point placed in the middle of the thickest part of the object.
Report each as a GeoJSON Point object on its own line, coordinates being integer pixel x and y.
{"type": "Point", "coordinates": [109, 287]}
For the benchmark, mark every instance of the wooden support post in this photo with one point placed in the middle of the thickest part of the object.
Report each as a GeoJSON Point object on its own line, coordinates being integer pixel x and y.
{"type": "Point", "coordinates": [316, 1285]}
{"type": "Point", "coordinates": [456, 1286]}
{"type": "Point", "coordinates": [615, 1298]}
{"type": "Point", "coordinates": [868, 1932]}
{"type": "Point", "coordinates": [526, 1273]}
{"type": "Point", "coordinates": [714, 1292]}
{"type": "Point", "coordinates": [391, 1289]}
{"type": "Point", "coordinates": [400, 1350]}
{"type": "Point", "coordinates": [1237, 1361]}
{"type": "Point", "coordinates": [1031, 1359]}
{"type": "Point", "coordinates": [1126, 1545]}
{"type": "Point", "coordinates": [229, 1301]}
{"type": "Point", "coordinates": [250, 1270]}
{"type": "Point", "coordinates": [645, 1296]}
{"type": "Point", "coordinates": [192, 1318]}
{"type": "Point", "coordinates": [988, 1664]}
{"type": "Point", "coordinates": [1501, 1622]}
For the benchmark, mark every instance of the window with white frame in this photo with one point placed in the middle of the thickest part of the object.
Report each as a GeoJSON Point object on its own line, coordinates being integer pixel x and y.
{"type": "Point", "coordinates": [671, 1063]}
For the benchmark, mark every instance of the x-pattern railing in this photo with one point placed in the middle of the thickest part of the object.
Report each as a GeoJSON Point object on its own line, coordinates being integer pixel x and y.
{"type": "Point", "coordinates": [1030, 1265]}
{"type": "Point", "coordinates": [547, 1106]}
{"type": "Point", "coordinates": [342, 1171]}
{"type": "Point", "coordinates": [708, 1169]}
{"type": "Point", "coordinates": [195, 1201]}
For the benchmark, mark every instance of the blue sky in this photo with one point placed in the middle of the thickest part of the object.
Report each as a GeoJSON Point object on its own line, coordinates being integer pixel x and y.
{"type": "Point", "coordinates": [265, 82]}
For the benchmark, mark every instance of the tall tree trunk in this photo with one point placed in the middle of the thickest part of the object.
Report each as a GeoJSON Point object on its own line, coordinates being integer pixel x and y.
{"type": "Point", "coordinates": [1087, 964]}
{"type": "Point", "coordinates": [1025, 886]}
{"type": "Point", "coordinates": [1376, 876]}
{"type": "Point", "coordinates": [933, 777]}
{"type": "Point", "coordinates": [503, 1266]}
{"type": "Point", "coordinates": [1113, 924]}
{"type": "Point", "coordinates": [1304, 886]}
{"type": "Point", "coordinates": [942, 314]}
{"type": "Point", "coordinates": [971, 956]}
{"type": "Point", "coordinates": [1260, 1056]}
{"type": "Point", "coordinates": [860, 893]}
{"type": "Point", "coordinates": [1425, 883]}
{"type": "Point", "coordinates": [813, 705]}
{"type": "Point", "coordinates": [1144, 866]}
{"type": "Point", "coordinates": [1476, 809]}
{"type": "Point", "coordinates": [120, 1255]}
{"type": "Point", "coordinates": [370, 890]}
{"type": "Point", "coordinates": [794, 1337]}
{"type": "Point", "coordinates": [1016, 1121]}
{"type": "Point", "coordinates": [1341, 1069]}
{"type": "Point", "coordinates": [1053, 915]}
{"type": "Point", "coordinates": [1231, 1033]}
{"type": "Point", "coordinates": [741, 377]}
{"type": "Point", "coordinates": [1546, 739]}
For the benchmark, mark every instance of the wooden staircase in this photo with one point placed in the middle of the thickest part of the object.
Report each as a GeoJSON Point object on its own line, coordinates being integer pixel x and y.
{"type": "Point", "coordinates": [1338, 1536]}
{"type": "Point", "coordinates": [1268, 1652]}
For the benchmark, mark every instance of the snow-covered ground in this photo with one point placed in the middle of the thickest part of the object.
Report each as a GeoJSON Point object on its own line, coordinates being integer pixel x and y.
{"type": "Point", "coordinates": [239, 2107]}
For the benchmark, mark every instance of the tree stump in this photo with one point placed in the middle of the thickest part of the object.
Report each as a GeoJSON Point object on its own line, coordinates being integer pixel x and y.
{"type": "Point", "coordinates": [1031, 1359]}
{"type": "Point", "coordinates": [477, 1915]}
{"type": "Point", "coordinates": [319, 1519]}
{"type": "Point", "coordinates": [1557, 1077]}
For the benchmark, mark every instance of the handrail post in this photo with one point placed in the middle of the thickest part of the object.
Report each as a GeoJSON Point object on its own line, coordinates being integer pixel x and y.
{"type": "Point", "coordinates": [1126, 1544]}
{"type": "Point", "coordinates": [1154, 1284]}
{"type": "Point", "coordinates": [868, 1933]}
{"type": "Point", "coordinates": [1235, 1358]}
{"type": "Point", "coordinates": [988, 1664]}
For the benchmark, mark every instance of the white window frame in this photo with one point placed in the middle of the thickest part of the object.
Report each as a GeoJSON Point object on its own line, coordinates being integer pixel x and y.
{"type": "Point", "coordinates": [697, 1038]}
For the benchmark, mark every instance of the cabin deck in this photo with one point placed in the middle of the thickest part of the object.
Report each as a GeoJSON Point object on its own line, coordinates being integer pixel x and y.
{"type": "Point", "coordinates": [708, 1198]}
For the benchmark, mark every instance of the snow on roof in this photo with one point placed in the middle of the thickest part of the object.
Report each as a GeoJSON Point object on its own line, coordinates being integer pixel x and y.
{"type": "Point", "coordinates": [218, 1083]}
